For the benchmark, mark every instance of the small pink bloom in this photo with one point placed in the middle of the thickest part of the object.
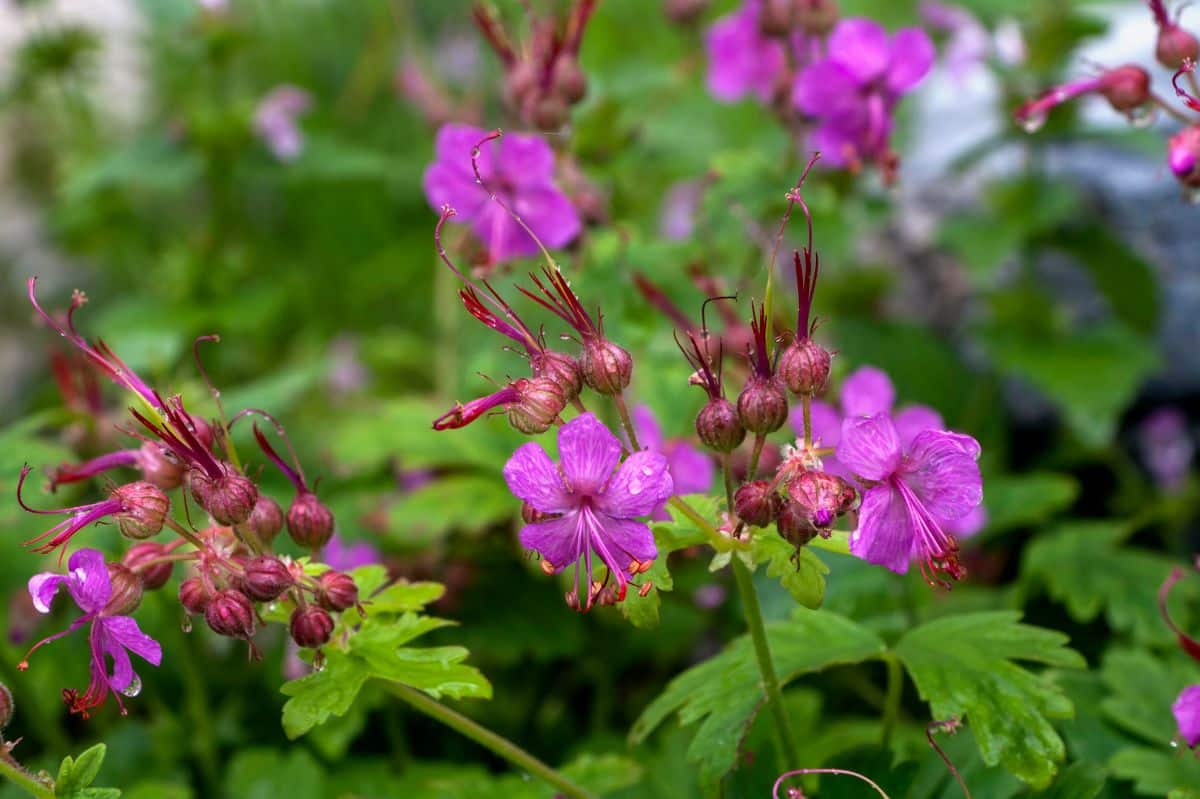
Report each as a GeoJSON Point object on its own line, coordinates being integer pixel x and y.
{"type": "Point", "coordinates": [275, 121]}
{"type": "Point", "coordinates": [1166, 447]}
{"type": "Point", "coordinates": [1187, 714]}
{"type": "Point", "coordinates": [741, 60]}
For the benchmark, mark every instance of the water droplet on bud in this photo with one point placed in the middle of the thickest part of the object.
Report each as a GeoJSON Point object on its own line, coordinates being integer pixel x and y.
{"type": "Point", "coordinates": [318, 661]}
{"type": "Point", "coordinates": [1143, 116]}
{"type": "Point", "coordinates": [186, 624]}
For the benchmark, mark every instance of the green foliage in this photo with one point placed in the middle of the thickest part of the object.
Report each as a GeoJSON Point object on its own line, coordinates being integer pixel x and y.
{"type": "Point", "coordinates": [965, 667]}
{"type": "Point", "coordinates": [800, 571]}
{"type": "Point", "coordinates": [75, 776]}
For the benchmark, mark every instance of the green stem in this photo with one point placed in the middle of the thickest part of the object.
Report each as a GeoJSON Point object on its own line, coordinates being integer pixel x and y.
{"type": "Point", "coordinates": [626, 421]}
{"type": "Point", "coordinates": [17, 775]}
{"type": "Point", "coordinates": [759, 441]}
{"type": "Point", "coordinates": [891, 705]}
{"type": "Point", "coordinates": [498, 745]}
{"type": "Point", "coordinates": [716, 540]}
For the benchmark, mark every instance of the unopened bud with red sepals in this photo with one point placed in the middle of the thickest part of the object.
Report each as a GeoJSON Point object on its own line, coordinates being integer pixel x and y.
{"type": "Point", "coordinates": [539, 403]}
{"type": "Point", "coordinates": [804, 367]}
{"type": "Point", "coordinates": [756, 503]}
{"type": "Point", "coordinates": [561, 368]}
{"type": "Point", "coordinates": [309, 522]}
{"type": "Point", "coordinates": [763, 405]}
{"type": "Point", "coordinates": [144, 507]}
{"type": "Point", "coordinates": [126, 590]}
{"type": "Point", "coordinates": [606, 367]}
{"type": "Point", "coordinates": [229, 497]}
{"type": "Point", "coordinates": [719, 427]}
{"type": "Point", "coordinates": [823, 496]}
{"type": "Point", "coordinates": [816, 17]}
{"type": "Point", "coordinates": [336, 591]}
{"type": "Point", "coordinates": [148, 561]}
{"type": "Point", "coordinates": [160, 466]}
{"type": "Point", "coordinates": [310, 627]}
{"type": "Point", "coordinates": [568, 78]}
{"type": "Point", "coordinates": [194, 596]}
{"type": "Point", "coordinates": [795, 524]}
{"type": "Point", "coordinates": [265, 578]}
{"type": "Point", "coordinates": [1183, 156]}
{"type": "Point", "coordinates": [266, 520]}
{"type": "Point", "coordinates": [231, 613]}
{"type": "Point", "coordinates": [1126, 88]}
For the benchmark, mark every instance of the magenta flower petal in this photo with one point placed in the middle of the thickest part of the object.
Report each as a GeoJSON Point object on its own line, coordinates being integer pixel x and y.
{"type": "Point", "coordinates": [648, 431]}
{"type": "Point", "coordinates": [446, 184]}
{"type": "Point", "coordinates": [632, 538]}
{"type": "Point", "coordinates": [588, 453]}
{"type": "Point", "coordinates": [826, 423]}
{"type": "Point", "coordinates": [123, 631]}
{"type": "Point", "coordinates": [870, 447]}
{"type": "Point", "coordinates": [885, 532]}
{"type": "Point", "coordinates": [556, 540]}
{"type": "Point", "coordinates": [1187, 714]}
{"type": "Point", "coordinates": [534, 478]}
{"type": "Point", "coordinates": [740, 60]}
{"type": "Point", "coordinates": [824, 86]}
{"type": "Point", "coordinates": [549, 213]}
{"type": "Point", "coordinates": [43, 587]}
{"type": "Point", "coordinates": [867, 391]}
{"type": "Point", "coordinates": [912, 58]}
{"type": "Point", "coordinates": [454, 144]}
{"type": "Point", "coordinates": [942, 470]}
{"type": "Point", "coordinates": [862, 47]}
{"type": "Point", "coordinates": [968, 525]}
{"type": "Point", "coordinates": [916, 419]}
{"type": "Point", "coordinates": [641, 484]}
{"type": "Point", "coordinates": [88, 580]}
{"type": "Point", "coordinates": [692, 470]}
{"type": "Point", "coordinates": [527, 159]}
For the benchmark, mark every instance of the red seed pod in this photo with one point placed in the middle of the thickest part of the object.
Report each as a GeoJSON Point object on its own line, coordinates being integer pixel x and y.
{"type": "Point", "coordinates": [775, 18]}
{"type": "Point", "coordinates": [763, 405]}
{"type": "Point", "coordinates": [816, 17]}
{"type": "Point", "coordinates": [311, 627]}
{"type": "Point", "coordinates": [804, 367]}
{"type": "Point", "coordinates": [154, 575]}
{"type": "Point", "coordinates": [266, 578]}
{"type": "Point", "coordinates": [606, 367]}
{"type": "Point", "coordinates": [1126, 87]}
{"type": "Point", "coordinates": [229, 498]}
{"type": "Point", "coordinates": [719, 427]}
{"type": "Point", "coordinates": [823, 497]}
{"type": "Point", "coordinates": [756, 504]}
{"type": "Point", "coordinates": [541, 401]}
{"type": "Point", "coordinates": [795, 525]}
{"type": "Point", "coordinates": [193, 595]}
{"type": "Point", "coordinates": [309, 522]}
{"type": "Point", "coordinates": [144, 506]}
{"type": "Point", "coordinates": [685, 12]}
{"type": "Point", "coordinates": [336, 591]}
{"type": "Point", "coordinates": [562, 369]}
{"type": "Point", "coordinates": [569, 80]}
{"type": "Point", "coordinates": [159, 466]}
{"type": "Point", "coordinates": [550, 112]}
{"type": "Point", "coordinates": [266, 520]}
{"type": "Point", "coordinates": [126, 590]}
{"type": "Point", "coordinates": [1174, 46]}
{"type": "Point", "coordinates": [231, 613]}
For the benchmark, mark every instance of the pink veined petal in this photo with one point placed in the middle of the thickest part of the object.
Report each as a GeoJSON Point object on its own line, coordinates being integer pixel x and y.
{"type": "Point", "coordinates": [824, 88]}
{"type": "Point", "coordinates": [125, 633]}
{"type": "Point", "coordinates": [500, 234]}
{"type": "Point", "coordinates": [642, 483]}
{"type": "Point", "coordinates": [692, 470]}
{"type": "Point", "coordinates": [534, 478]}
{"type": "Point", "coordinates": [525, 160]}
{"type": "Point", "coordinates": [454, 144]}
{"type": "Point", "coordinates": [838, 144]}
{"type": "Point", "coordinates": [43, 587]}
{"type": "Point", "coordinates": [588, 453]}
{"type": "Point", "coordinates": [88, 581]}
{"type": "Point", "coordinates": [966, 526]}
{"type": "Point", "coordinates": [1187, 714]}
{"type": "Point", "coordinates": [628, 538]}
{"type": "Point", "coordinates": [942, 470]}
{"type": "Point", "coordinates": [105, 646]}
{"type": "Point", "coordinates": [648, 431]}
{"type": "Point", "coordinates": [912, 57]}
{"type": "Point", "coordinates": [560, 542]}
{"type": "Point", "coordinates": [447, 184]}
{"type": "Point", "coordinates": [549, 214]}
{"type": "Point", "coordinates": [740, 60]}
{"type": "Point", "coordinates": [913, 419]}
{"type": "Point", "coordinates": [870, 446]}
{"type": "Point", "coordinates": [885, 531]}
{"type": "Point", "coordinates": [867, 391]}
{"type": "Point", "coordinates": [862, 47]}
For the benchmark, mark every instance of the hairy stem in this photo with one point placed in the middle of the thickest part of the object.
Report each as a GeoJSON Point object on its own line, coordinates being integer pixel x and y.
{"type": "Point", "coordinates": [15, 773]}
{"type": "Point", "coordinates": [498, 745]}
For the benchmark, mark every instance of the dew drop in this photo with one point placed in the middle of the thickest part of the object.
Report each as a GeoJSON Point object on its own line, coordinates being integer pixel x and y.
{"type": "Point", "coordinates": [186, 624]}
{"type": "Point", "coordinates": [134, 688]}
{"type": "Point", "coordinates": [318, 661]}
{"type": "Point", "coordinates": [1033, 122]}
{"type": "Point", "coordinates": [1192, 195]}
{"type": "Point", "coordinates": [1143, 116]}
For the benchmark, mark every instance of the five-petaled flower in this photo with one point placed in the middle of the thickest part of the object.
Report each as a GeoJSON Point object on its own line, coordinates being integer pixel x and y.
{"type": "Point", "coordinates": [1187, 715]}
{"type": "Point", "coordinates": [519, 171]}
{"type": "Point", "coordinates": [909, 491]}
{"type": "Point", "coordinates": [855, 88]}
{"type": "Point", "coordinates": [111, 636]}
{"type": "Point", "coordinates": [595, 504]}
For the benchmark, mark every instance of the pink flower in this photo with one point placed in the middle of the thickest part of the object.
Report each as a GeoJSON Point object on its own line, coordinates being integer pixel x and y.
{"type": "Point", "coordinates": [691, 469]}
{"type": "Point", "coordinates": [342, 555]}
{"type": "Point", "coordinates": [908, 490]}
{"type": "Point", "coordinates": [1187, 714]}
{"type": "Point", "coordinates": [520, 171]}
{"type": "Point", "coordinates": [111, 636]}
{"type": "Point", "coordinates": [855, 88]}
{"type": "Point", "coordinates": [594, 508]}
{"type": "Point", "coordinates": [1166, 447]}
{"type": "Point", "coordinates": [741, 60]}
{"type": "Point", "coordinates": [275, 121]}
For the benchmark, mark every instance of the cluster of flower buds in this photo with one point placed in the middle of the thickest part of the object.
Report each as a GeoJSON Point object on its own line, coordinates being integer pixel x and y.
{"type": "Point", "coordinates": [783, 18]}
{"type": "Point", "coordinates": [542, 76]}
{"type": "Point", "coordinates": [232, 567]}
{"type": "Point", "coordinates": [1127, 89]}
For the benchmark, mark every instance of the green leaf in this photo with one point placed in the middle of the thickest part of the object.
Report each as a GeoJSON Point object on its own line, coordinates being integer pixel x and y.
{"type": "Point", "coordinates": [679, 533]}
{"type": "Point", "coordinates": [964, 667]}
{"type": "Point", "coordinates": [1080, 780]}
{"type": "Point", "coordinates": [1120, 274]}
{"type": "Point", "coordinates": [267, 774]}
{"type": "Point", "coordinates": [403, 596]}
{"type": "Point", "coordinates": [1083, 566]}
{"type": "Point", "coordinates": [76, 774]}
{"type": "Point", "coordinates": [1142, 689]}
{"type": "Point", "coordinates": [642, 611]}
{"type": "Point", "coordinates": [724, 693]}
{"type": "Point", "coordinates": [317, 696]}
{"type": "Point", "coordinates": [469, 502]}
{"type": "Point", "coordinates": [1025, 500]}
{"type": "Point", "coordinates": [1155, 772]}
{"type": "Point", "coordinates": [801, 572]}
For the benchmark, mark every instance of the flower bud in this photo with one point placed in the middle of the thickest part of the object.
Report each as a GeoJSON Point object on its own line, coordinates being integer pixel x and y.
{"type": "Point", "coordinates": [311, 627]}
{"type": "Point", "coordinates": [775, 18]}
{"type": "Point", "coordinates": [309, 522]}
{"type": "Point", "coordinates": [1174, 46]}
{"type": "Point", "coordinates": [794, 524]}
{"type": "Point", "coordinates": [540, 402]}
{"type": "Point", "coordinates": [756, 504]}
{"type": "Point", "coordinates": [816, 17]}
{"type": "Point", "coordinates": [265, 578]}
{"type": "Point", "coordinates": [336, 591]}
{"type": "Point", "coordinates": [685, 12]}
{"type": "Point", "coordinates": [126, 590]}
{"type": "Point", "coordinates": [763, 405]}
{"type": "Point", "coordinates": [153, 576]}
{"type": "Point", "coordinates": [229, 498]}
{"type": "Point", "coordinates": [822, 496]}
{"type": "Point", "coordinates": [231, 613]}
{"type": "Point", "coordinates": [193, 595]}
{"type": "Point", "coordinates": [569, 80]}
{"type": "Point", "coordinates": [1126, 87]}
{"type": "Point", "coordinates": [1183, 156]}
{"type": "Point", "coordinates": [266, 520]}
{"type": "Point", "coordinates": [7, 706]}
{"type": "Point", "coordinates": [144, 506]}
{"type": "Point", "coordinates": [550, 112]}
{"type": "Point", "coordinates": [562, 369]}
{"type": "Point", "coordinates": [606, 367]}
{"type": "Point", "coordinates": [719, 427]}
{"type": "Point", "coordinates": [804, 367]}
{"type": "Point", "coordinates": [159, 466]}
